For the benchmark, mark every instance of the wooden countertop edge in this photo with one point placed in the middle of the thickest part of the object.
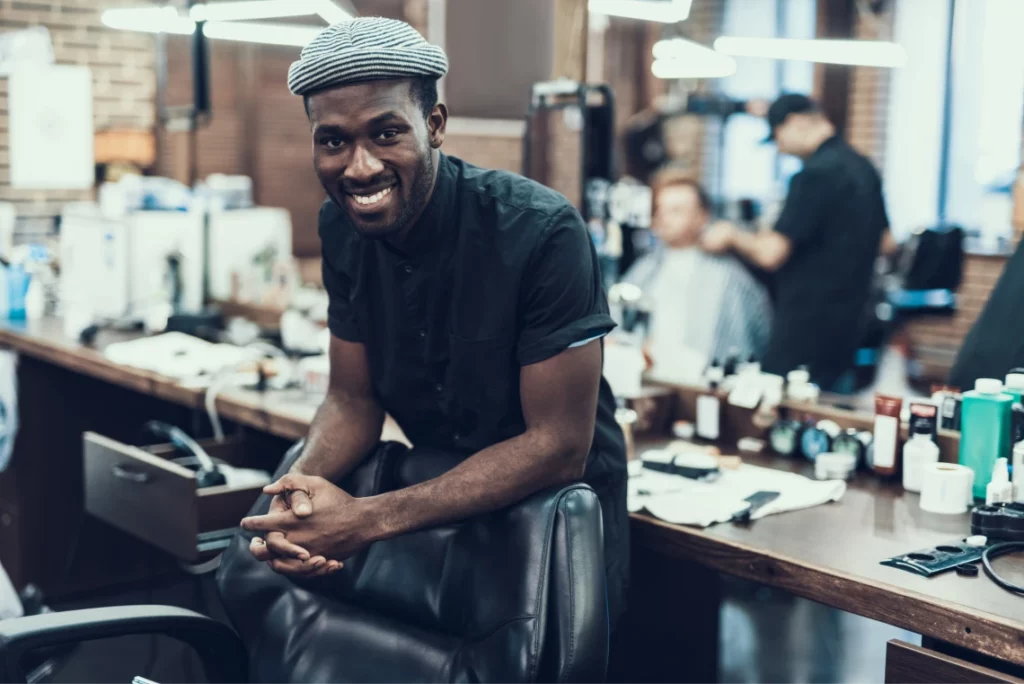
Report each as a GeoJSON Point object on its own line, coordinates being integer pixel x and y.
{"type": "Point", "coordinates": [94, 364]}
{"type": "Point", "coordinates": [979, 631]}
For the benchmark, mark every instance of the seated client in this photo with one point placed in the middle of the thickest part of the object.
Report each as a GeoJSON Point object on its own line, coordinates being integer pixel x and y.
{"type": "Point", "coordinates": [702, 306]}
{"type": "Point", "coordinates": [465, 302]}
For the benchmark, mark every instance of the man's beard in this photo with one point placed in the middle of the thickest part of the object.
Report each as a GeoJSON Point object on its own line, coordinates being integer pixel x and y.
{"type": "Point", "coordinates": [418, 198]}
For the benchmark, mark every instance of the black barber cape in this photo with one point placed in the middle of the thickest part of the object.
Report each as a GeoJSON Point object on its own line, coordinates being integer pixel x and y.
{"type": "Point", "coordinates": [501, 274]}
{"type": "Point", "coordinates": [834, 216]}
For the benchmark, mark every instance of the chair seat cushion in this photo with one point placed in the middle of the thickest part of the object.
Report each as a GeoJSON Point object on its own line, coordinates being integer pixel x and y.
{"type": "Point", "coordinates": [335, 642]}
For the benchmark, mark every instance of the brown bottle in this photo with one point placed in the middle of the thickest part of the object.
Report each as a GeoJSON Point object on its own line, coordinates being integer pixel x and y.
{"type": "Point", "coordinates": [886, 462]}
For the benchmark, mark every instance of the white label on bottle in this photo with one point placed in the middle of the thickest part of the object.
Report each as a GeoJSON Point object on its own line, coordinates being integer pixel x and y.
{"type": "Point", "coordinates": [708, 416]}
{"type": "Point", "coordinates": [886, 432]}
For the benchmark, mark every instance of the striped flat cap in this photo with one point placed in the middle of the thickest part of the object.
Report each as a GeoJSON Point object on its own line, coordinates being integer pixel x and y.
{"type": "Point", "coordinates": [365, 49]}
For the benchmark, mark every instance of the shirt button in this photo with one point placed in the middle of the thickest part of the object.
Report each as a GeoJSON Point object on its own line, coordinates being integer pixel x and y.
{"type": "Point", "coordinates": [440, 388]}
{"type": "Point", "coordinates": [408, 268]}
{"type": "Point", "coordinates": [422, 334]}
{"type": "Point", "coordinates": [457, 437]}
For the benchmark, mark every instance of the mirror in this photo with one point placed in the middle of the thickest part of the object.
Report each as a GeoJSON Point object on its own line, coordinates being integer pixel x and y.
{"type": "Point", "coordinates": [892, 190]}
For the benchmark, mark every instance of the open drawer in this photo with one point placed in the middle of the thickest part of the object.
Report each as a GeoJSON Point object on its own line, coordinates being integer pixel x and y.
{"type": "Point", "coordinates": [144, 493]}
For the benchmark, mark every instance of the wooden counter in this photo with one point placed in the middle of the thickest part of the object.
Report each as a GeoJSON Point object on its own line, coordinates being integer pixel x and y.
{"type": "Point", "coordinates": [285, 414]}
{"type": "Point", "coordinates": [829, 554]}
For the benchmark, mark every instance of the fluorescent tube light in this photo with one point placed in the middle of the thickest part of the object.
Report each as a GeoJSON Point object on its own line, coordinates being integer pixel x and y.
{"type": "Point", "coordinates": [681, 58]}
{"type": "Point", "coordinates": [167, 19]}
{"type": "Point", "coordinates": [331, 13]}
{"type": "Point", "coordinates": [253, 9]}
{"type": "Point", "coordinates": [666, 11]}
{"type": "Point", "coordinates": [874, 53]}
{"type": "Point", "coordinates": [268, 34]}
{"type": "Point", "coordinates": [148, 20]}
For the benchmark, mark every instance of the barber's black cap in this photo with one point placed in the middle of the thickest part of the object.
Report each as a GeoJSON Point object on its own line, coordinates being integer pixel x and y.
{"type": "Point", "coordinates": [792, 103]}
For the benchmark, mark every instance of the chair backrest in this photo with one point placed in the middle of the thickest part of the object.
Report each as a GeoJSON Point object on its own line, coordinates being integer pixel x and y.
{"type": "Point", "coordinates": [518, 595]}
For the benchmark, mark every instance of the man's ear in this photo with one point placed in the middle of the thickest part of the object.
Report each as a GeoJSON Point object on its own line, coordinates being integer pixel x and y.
{"type": "Point", "coordinates": [437, 124]}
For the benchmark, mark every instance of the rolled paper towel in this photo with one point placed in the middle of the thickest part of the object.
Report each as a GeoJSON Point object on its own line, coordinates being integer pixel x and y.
{"type": "Point", "coordinates": [946, 488]}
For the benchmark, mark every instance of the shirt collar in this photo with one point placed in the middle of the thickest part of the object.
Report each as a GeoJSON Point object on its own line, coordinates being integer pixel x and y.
{"type": "Point", "coordinates": [828, 143]}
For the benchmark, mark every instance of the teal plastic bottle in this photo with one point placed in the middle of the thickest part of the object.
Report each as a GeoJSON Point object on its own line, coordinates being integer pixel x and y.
{"type": "Point", "coordinates": [1014, 385]}
{"type": "Point", "coordinates": [985, 430]}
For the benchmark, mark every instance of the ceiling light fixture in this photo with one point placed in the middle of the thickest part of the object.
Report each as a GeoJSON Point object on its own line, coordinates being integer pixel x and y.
{"type": "Point", "coordinates": [331, 13]}
{"type": "Point", "coordinates": [148, 20]}
{"type": "Point", "coordinates": [681, 58]}
{"type": "Point", "coordinates": [268, 34]}
{"type": "Point", "coordinates": [873, 53]}
{"type": "Point", "coordinates": [665, 11]}
{"type": "Point", "coordinates": [229, 20]}
{"type": "Point", "coordinates": [241, 10]}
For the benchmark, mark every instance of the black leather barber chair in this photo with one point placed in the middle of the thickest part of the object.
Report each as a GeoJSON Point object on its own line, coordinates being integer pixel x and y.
{"type": "Point", "coordinates": [518, 595]}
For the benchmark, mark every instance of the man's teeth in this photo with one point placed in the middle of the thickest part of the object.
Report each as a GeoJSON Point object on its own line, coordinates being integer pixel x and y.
{"type": "Point", "coordinates": [374, 198]}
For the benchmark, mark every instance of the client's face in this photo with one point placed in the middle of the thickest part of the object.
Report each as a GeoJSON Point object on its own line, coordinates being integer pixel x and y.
{"type": "Point", "coordinates": [678, 217]}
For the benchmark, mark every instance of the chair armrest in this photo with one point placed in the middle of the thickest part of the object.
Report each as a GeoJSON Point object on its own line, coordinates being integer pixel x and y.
{"type": "Point", "coordinates": [219, 648]}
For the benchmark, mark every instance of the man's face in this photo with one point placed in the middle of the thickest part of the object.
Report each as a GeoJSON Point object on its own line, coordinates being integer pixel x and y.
{"type": "Point", "coordinates": [678, 217]}
{"type": "Point", "coordinates": [373, 151]}
{"type": "Point", "coordinates": [792, 134]}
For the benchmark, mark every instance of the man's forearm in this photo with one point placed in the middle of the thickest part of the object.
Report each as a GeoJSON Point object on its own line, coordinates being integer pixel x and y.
{"type": "Point", "coordinates": [763, 249]}
{"type": "Point", "coordinates": [341, 435]}
{"type": "Point", "coordinates": [491, 479]}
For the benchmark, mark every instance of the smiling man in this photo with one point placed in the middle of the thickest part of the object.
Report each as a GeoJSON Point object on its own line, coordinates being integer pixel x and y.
{"type": "Point", "coordinates": [466, 303]}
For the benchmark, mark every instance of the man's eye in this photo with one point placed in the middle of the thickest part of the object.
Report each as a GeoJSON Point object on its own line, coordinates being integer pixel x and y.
{"type": "Point", "coordinates": [388, 134]}
{"type": "Point", "coordinates": [331, 143]}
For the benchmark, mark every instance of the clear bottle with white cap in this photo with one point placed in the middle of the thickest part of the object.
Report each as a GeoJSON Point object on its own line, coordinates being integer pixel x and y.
{"type": "Point", "coordinates": [999, 490]}
{"type": "Point", "coordinates": [919, 451]}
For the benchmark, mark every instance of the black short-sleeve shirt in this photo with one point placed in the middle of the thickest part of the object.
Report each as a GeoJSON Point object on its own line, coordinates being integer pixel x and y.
{"type": "Point", "coordinates": [834, 217]}
{"type": "Point", "coordinates": [500, 273]}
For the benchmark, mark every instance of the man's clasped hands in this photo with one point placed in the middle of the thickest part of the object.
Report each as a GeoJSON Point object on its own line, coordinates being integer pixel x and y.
{"type": "Point", "coordinates": [312, 525]}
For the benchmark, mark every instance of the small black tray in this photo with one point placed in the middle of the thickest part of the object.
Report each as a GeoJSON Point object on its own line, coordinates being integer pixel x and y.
{"type": "Point", "coordinates": [1004, 522]}
{"type": "Point", "coordinates": [929, 562]}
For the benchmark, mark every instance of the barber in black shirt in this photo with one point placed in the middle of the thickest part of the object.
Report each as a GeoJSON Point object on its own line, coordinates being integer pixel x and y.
{"type": "Point", "coordinates": [466, 303]}
{"type": "Point", "coordinates": [823, 247]}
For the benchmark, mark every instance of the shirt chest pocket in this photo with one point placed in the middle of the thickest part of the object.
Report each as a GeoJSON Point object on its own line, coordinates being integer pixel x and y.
{"type": "Point", "coordinates": [483, 379]}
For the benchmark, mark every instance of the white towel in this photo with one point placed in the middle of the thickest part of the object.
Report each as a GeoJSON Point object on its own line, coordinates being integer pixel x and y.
{"type": "Point", "coordinates": [10, 603]}
{"type": "Point", "coordinates": [683, 501]}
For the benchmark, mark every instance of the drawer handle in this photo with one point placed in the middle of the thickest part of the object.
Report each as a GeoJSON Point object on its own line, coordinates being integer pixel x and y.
{"type": "Point", "coordinates": [127, 473]}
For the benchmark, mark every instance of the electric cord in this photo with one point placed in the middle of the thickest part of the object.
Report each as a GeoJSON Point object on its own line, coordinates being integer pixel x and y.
{"type": "Point", "coordinates": [995, 551]}
{"type": "Point", "coordinates": [225, 378]}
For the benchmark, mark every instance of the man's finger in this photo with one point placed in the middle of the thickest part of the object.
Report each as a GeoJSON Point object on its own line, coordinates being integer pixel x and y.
{"type": "Point", "coordinates": [280, 546]}
{"type": "Point", "coordinates": [288, 483]}
{"type": "Point", "coordinates": [258, 548]}
{"type": "Point", "coordinates": [273, 522]}
{"type": "Point", "coordinates": [329, 568]}
{"type": "Point", "coordinates": [293, 567]}
{"type": "Point", "coordinates": [301, 504]}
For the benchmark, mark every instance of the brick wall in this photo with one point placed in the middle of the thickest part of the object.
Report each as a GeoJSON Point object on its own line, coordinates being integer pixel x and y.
{"type": "Point", "coordinates": [258, 128]}
{"type": "Point", "coordinates": [703, 26]}
{"type": "Point", "coordinates": [491, 151]}
{"type": "Point", "coordinates": [868, 104]}
{"type": "Point", "coordinates": [124, 80]}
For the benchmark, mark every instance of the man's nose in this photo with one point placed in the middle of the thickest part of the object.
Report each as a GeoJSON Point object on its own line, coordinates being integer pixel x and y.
{"type": "Point", "coordinates": [364, 166]}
